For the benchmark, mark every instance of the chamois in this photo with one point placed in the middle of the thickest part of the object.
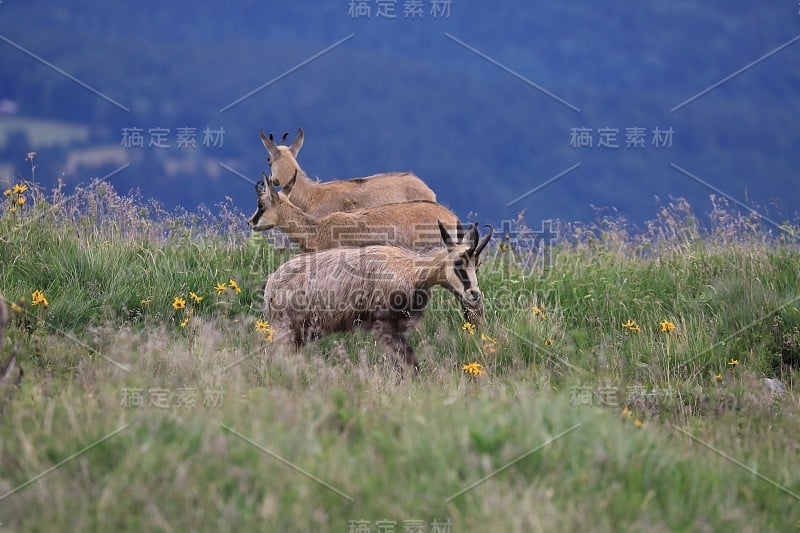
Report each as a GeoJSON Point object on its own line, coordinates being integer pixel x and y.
{"type": "Point", "coordinates": [408, 224]}
{"type": "Point", "coordinates": [381, 289]}
{"type": "Point", "coordinates": [320, 199]}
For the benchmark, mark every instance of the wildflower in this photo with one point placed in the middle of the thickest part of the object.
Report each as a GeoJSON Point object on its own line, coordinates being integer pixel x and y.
{"type": "Point", "coordinates": [17, 308]}
{"type": "Point", "coordinates": [20, 188]}
{"type": "Point", "coordinates": [7, 192]}
{"type": "Point", "coordinates": [629, 324]}
{"type": "Point", "coordinates": [548, 342]}
{"type": "Point", "coordinates": [718, 377]}
{"type": "Point", "coordinates": [146, 301]}
{"type": "Point", "coordinates": [21, 200]}
{"type": "Point", "coordinates": [235, 286]}
{"type": "Point", "coordinates": [638, 423]}
{"type": "Point", "coordinates": [30, 156]}
{"type": "Point", "coordinates": [37, 297]}
{"type": "Point", "coordinates": [488, 343]}
{"type": "Point", "coordinates": [220, 288]}
{"type": "Point", "coordinates": [262, 326]}
{"type": "Point", "coordinates": [635, 329]}
{"type": "Point", "coordinates": [732, 363]}
{"type": "Point", "coordinates": [627, 413]}
{"type": "Point", "coordinates": [667, 326]}
{"type": "Point", "coordinates": [178, 303]}
{"type": "Point", "coordinates": [474, 369]}
{"type": "Point", "coordinates": [536, 310]}
{"type": "Point", "coordinates": [184, 322]}
{"type": "Point", "coordinates": [12, 210]}
{"type": "Point", "coordinates": [195, 298]}
{"type": "Point", "coordinates": [469, 327]}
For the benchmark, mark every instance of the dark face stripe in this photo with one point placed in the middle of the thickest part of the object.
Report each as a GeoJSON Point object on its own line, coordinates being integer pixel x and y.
{"type": "Point", "coordinates": [461, 272]}
{"type": "Point", "coordinates": [257, 216]}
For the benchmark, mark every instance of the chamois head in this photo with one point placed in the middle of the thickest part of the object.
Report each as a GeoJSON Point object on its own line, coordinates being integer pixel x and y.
{"type": "Point", "coordinates": [463, 258]}
{"type": "Point", "coordinates": [266, 215]}
{"type": "Point", "coordinates": [281, 158]}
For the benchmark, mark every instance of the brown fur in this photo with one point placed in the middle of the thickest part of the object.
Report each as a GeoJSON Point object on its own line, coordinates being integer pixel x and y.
{"type": "Point", "coordinates": [408, 224]}
{"type": "Point", "coordinates": [320, 199]}
{"type": "Point", "coordinates": [381, 289]}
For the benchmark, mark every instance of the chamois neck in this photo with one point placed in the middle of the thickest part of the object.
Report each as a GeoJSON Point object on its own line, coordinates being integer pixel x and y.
{"type": "Point", "coordinates": [430, 267]}
{"type": "Point", "coordinates": [298, 225]}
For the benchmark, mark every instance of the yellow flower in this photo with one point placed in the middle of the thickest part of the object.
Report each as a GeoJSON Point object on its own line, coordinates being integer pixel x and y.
{"type": "Point", "coordinates": [184, 322]}
{"type": "Point", "coordinates": [634, 329]}
{"type": "Point", "coordinates": [536, 310]}
{"type": "Point", "coordinates": [20, 188]}
{"type": "Point", "coordinates": [718, 377]}
{"type": "Point", "coordinates": [474, 369]}
{"type": "Point", "coordinates": [12, 210]}
{"type": "Point", "coordinates": [21, 200]}
{"type": "Point", "coordinates": [469, 327]}
{"type": "Point", "coordinates": [548, 342]}
{"type": "Point", "coordinates": [262, 326]}
{"type": "Point", "coordinates": [487, 338]}
{"type": "Point", "coordinates": [195, 298]}
{"type": "Point", "coordinates": [638, 423]}
{"type": "Point", "coordinates": [667, 326]}
{"type": "Point", "coordinates": [235, 286]}
{"type": "Point", "coordinates": [7, 192]}
{"type": "Point", "coordinates": [220, 288]}
{"type": "Point", "coordinates": [733, 362]}
{"type": "Point", "coordinates": [627, 413]}
{"type": "Point", "coordinates": [146, 301]}
{"type": "Point", "coordinates": [178, 303]}
{"type": "Point", "coordinates": [37, 297]}
{"type": "Point", "coordinates": [16, 307]}
{"type": "Point", "coordinates": [629, 324]}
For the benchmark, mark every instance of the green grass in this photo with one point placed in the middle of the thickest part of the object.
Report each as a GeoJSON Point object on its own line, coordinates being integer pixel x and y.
{"type": "Point", "coordinates": [245, 427]}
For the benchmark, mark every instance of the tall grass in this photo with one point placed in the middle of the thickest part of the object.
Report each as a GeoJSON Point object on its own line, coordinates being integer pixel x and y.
{"type": "Point", "coordinates": [657, 430]}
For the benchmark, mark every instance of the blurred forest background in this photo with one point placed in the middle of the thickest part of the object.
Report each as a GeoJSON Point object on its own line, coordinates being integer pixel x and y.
{"type": "Point", "coordinates": [402, 95]}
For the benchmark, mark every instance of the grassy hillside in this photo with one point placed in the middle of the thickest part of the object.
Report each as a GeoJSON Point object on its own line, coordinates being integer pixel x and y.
{"type": "Point", "coordinates": [189, 419]}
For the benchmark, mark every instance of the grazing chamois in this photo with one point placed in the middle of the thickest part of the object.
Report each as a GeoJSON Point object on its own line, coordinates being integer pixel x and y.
{"type": "Point", "coordinates": [381, 289]}
{"type": "Point", "coordinates": [320, 199]}
{"type": "Point", "coordinates": [408, 224]}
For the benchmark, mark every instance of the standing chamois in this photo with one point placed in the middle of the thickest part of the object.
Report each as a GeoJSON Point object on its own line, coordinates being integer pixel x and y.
{"type": "Point", "coordinates": [381, 289]}
{"type": "Point", "coordinates": [408, 224]}
{"type": "Point", "coordinates": [320, 199]}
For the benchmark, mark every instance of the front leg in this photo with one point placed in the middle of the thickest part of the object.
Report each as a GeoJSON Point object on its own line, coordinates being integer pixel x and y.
{"type": "Point", "coordinates": [394, 343]}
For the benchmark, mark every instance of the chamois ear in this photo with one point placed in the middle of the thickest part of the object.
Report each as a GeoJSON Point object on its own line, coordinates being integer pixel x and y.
{"type": "Point", "coordinates": [269, 144]}
{"type": "Point", "coordinates": [448, 241]}
{"type": "Point", "coordinates": [471, 238]}
{"type": "Point", "coordinates": [273, 192]}
{"type": "Point", "coordinates": [459, 232]}
{"type": "Point", "coordinates": [484, 240]}
{"type": "Point", "coordinates": [287, 189]}
{"type": "Point", "coordinates": [283, 138]}
{"type": "Point", "coordinates": [297, 143]}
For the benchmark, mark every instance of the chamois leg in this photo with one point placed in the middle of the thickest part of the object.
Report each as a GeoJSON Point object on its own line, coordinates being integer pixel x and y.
{"type": "Point", "coordinates": [394, 343]}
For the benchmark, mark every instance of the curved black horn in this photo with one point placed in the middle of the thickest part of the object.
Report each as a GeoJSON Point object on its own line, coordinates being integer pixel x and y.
{"type": "Point", "coordinates": [484, 241]}
{"type": "Point", "coordinates": [283, 138]}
